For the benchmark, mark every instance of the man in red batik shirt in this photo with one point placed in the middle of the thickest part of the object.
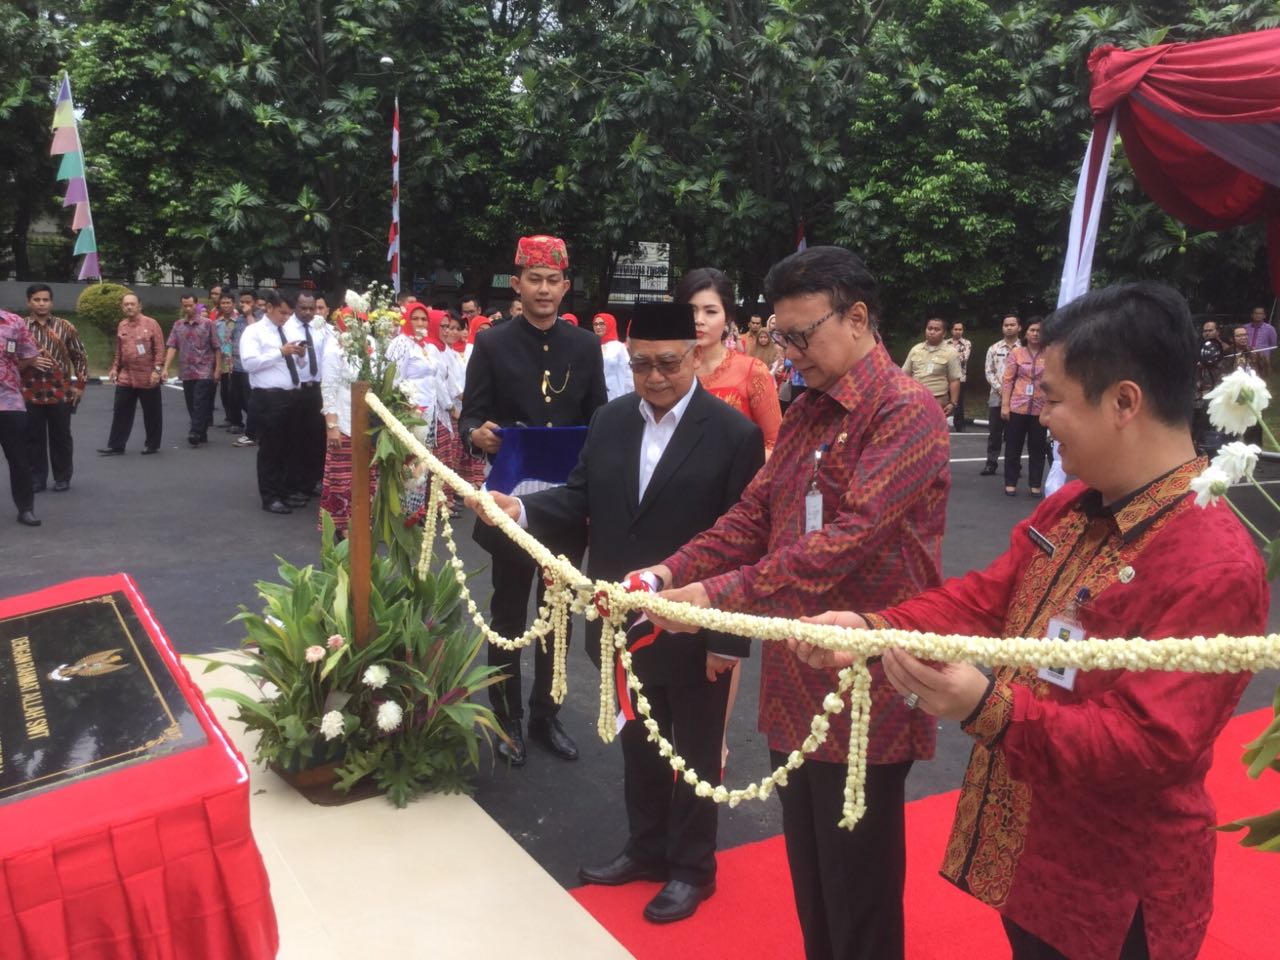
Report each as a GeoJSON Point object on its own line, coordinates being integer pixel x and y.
{"type": "Point", "coordinates": [852, 504]}
{"type": "Point", "coordinates": [1084, 817]}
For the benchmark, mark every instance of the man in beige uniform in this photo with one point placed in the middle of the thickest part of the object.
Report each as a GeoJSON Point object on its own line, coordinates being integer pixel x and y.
{"type": "Point", "coordinates": [936, 365]}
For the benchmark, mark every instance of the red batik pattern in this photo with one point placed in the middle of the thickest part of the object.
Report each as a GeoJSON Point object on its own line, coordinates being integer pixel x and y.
{"type": "Point", "coordinates": [884, 483]}
{"type": "Point", "coordinates": [1070, 797]}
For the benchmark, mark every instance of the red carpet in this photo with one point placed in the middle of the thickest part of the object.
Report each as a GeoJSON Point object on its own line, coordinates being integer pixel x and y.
{"type": "Point", "coordinates": [752, 914]}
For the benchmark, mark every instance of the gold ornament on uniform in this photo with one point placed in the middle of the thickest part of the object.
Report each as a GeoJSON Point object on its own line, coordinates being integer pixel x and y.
{"type": "Point", "coordinates": [93, 665]}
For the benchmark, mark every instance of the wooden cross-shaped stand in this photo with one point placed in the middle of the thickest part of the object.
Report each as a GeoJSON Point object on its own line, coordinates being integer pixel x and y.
{"type": "Point", "coordinates": [359, 531]}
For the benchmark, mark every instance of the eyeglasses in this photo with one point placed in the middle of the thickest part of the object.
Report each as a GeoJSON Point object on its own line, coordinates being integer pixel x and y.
{"type": "Point", "coordinates": [665, 365]}
{"type": "Point", "coordinates": [800, 338]}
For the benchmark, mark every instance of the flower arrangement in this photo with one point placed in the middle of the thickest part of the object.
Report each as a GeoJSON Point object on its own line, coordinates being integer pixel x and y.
{"type": "Point", "coordinates": [1236, 405]}
{"type": "Point", "coordinates": [397, 712]}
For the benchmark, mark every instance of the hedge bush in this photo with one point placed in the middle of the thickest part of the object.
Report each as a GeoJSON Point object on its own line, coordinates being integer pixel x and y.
{"type": "Point", "coordinates": [99, 305]}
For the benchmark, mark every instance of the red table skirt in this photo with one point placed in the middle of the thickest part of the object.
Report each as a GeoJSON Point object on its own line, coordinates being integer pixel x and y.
{"type": "Point", "coordinates": [155, 861]}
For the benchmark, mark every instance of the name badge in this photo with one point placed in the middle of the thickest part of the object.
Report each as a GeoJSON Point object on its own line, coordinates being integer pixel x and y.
{"type": "Point", "coordinates": [1064, 677]}
{"type": "Point", "coordinates": [928, 371]}
{"type": "Point", "coordinates": [141, 348]}
{"type": "Point", "coordinates": [812, 511]}
{"type": "Point", "coordinates": [1029, 389]}
{"type": "Point", "coordinates": [11, 346]}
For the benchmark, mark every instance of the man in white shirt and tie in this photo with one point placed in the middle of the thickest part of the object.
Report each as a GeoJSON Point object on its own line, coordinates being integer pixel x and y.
{"type": "Point", "coordinates": [275, 354]}
{"type": "Point", "coordinates": [659, 466]}
{"type": "Point", "coordinates": [313, 332]}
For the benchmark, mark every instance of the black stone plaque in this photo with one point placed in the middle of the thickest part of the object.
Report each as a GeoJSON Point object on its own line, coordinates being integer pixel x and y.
{"type": "Point", "coordinates": [83, 690]}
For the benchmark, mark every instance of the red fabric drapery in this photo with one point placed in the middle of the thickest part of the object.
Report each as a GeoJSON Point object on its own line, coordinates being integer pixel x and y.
{"type": "Point", "coordinates": [1200, 122]}
{"type": "Point", "coordinates": [152, 861]}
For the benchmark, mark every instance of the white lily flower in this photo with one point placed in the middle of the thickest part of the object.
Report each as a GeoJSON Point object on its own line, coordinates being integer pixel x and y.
{"type": "Point", "coordinates": [1237, 460]}
{"type": "Point", "coordinates": [1210, 486]}
{"type": "Point", "coordinates": [331, 724]}
{"type": "Point", "coordinates": [1236, 404]}
{"type": "Point", "coordinates": [389, 716]}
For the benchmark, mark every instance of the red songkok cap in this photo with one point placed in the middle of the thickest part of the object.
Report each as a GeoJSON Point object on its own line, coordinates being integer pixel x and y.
{"type": "Point", "coordinates": [542, 251]}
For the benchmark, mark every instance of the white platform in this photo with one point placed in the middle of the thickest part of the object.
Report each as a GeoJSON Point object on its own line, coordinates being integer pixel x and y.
{"type": "Point", "coordinates": [438, 879]}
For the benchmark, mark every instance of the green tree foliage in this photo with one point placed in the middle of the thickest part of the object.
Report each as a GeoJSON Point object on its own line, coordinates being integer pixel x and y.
{"type": "Point", "coordinates": [942, 138]}
{"type": "Point", "coordinates": [36, 39]}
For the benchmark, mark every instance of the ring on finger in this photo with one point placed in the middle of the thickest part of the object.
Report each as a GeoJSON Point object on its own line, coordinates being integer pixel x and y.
{"type": "Point", "coordinates": [911, 700]}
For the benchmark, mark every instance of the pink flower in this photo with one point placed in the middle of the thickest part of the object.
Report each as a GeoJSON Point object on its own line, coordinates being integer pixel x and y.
{"type": "Point", "coordinates": [315, 653]}
{"type": "Point", "coordinates": [335, 641]}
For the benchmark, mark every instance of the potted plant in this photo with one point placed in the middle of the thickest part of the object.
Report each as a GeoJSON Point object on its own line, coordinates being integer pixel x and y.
{"type": "Point", "coordinates": [397, 714]}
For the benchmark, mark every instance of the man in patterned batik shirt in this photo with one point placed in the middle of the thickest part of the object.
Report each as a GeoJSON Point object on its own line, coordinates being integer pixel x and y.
{"type": "Point", "coordinates": [851, 504]}
{"type": "Point", "coordinates": [194, 341]}
{"type": "Point", "coordinates": [18, 351]}
{"type": "Point", "coordinates": [1083, 817]}
{"type": "Point", "coordinates": [51, 387]}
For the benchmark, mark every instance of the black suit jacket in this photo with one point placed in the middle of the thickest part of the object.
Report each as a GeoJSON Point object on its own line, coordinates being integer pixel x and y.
{"type": "Point", "coordinates": [519, 374]}
{"type": "Point", "coordinates": [712, 456]}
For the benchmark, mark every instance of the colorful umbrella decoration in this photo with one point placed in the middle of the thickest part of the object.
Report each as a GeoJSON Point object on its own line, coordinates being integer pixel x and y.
{"type": "Point", "coordinates": [66, 143]}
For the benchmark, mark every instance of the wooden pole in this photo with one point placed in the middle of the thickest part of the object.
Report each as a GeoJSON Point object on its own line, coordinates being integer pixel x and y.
{"type": "Point", "coordinates": [359, 532]}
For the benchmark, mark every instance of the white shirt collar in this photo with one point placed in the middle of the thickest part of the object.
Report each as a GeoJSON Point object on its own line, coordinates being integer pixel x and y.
{"type": "Point", "coordinates": [675, 413]}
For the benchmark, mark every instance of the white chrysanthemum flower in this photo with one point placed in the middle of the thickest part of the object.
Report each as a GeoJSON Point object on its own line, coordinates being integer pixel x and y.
{"type": "Point", "coordinates": [357, 302]}
{"type": "Point", "coordinates": [1237, 460]}
{"type": "Point", "coordinates": [331, 724]}
{"type": "Point", "coordinates": [315, 653]}
{"type": "Point", "coordinates": [376, 676]}
{"type": "Point", "coordinates": [1210, 486]}
{"type": "Point", "coordinates": [1237, 402]}
{"type": "Point", "coordinates": [389, 716]}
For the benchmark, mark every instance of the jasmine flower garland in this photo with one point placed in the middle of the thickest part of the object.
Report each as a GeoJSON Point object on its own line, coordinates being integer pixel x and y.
{"type": "Point", "coordinates": [568, 591]}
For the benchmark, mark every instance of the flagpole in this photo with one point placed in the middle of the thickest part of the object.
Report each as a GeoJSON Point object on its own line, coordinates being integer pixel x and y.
{"type": "Point", "coordinates": [393, 239]}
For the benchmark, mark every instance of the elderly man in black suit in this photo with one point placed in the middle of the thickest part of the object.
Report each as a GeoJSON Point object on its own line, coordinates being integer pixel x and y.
{"type": "Point", "coordinates": [535, 371]}
{"type": "Point", "coordinates": [656, 471]}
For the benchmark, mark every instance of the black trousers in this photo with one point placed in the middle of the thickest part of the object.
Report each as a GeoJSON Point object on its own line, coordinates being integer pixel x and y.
{"type": "Point", "coordinates": [278, 415]}
{"type": "Point", "coordinates": [1020, 428]}
{"type": "Point", "coordinates": [250, 424]}
{"type": "Point", "coordinates": [49, 440]}
{"type": "Point", "coordinates": [199, 396]}
{"type": "Point", "coordinates": [995, 435]}
{"type": "Point", "coordinates": [668, 823]}
{"type": "Point", "coordinates": [847, 883]}
{"type": "Point", "coordinates": [311, 441]}
{"type": "Point", "coordinates": [126, 405]}
{"type": "Point", "coordinates": [957, 415]}
{"type": "Point", "coordinates": [13, 440]}
{"type": "Point", "coordinates": [1027, 946]}
{"type": "Point", "coordinates": [235, 396]}
{"type": "Point", "coordinates": [513, 573]}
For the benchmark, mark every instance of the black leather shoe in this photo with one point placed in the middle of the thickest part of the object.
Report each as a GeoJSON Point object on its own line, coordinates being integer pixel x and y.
{"type": "Point", "coordinates": [513, 749]}
{"type": "Point", "coordinates": [318, 489]}
{"type": "Point", "coordinates": [548, 732]}
{"type": "Point", "coordinates": [109, 452]}
{"type": "Point", "coordinates": [297, 499]}
{"type": "Point", "coordinates": [276, 506]}
{"type": "Point", "coordinates": [676, 901]}
{"type": "Point", "coordinates": [60, 485]}
{"type": "Point", "coordinates": [37, 486]}
{"type": "Point", "coordinates": [988, 471]}
{"type": "Point", "coordinates": [147, 451]}
{"type": "Point", "coordinates": [28, 519]}
{"type": "Point", "coordinates": [622, 869]}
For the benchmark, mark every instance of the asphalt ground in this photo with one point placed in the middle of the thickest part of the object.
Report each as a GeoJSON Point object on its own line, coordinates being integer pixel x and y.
{"type": "Point", "coordinates": [188, 526]}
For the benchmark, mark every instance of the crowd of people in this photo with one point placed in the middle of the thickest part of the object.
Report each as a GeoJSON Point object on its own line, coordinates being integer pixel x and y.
{"type": "Point", "coordinates": [693, 483]}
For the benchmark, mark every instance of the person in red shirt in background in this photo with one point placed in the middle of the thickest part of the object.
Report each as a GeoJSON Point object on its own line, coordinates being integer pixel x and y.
{"type": "Point", "coordinates": [852, 504]}
{"type": "Point", "coordinates": [1084, 817]}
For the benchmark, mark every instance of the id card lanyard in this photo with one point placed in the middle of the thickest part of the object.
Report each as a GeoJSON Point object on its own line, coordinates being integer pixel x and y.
{"type": "Point", "coordinates": [1065, 626]}
{"type": "Point", "coordinates": [813, 499]}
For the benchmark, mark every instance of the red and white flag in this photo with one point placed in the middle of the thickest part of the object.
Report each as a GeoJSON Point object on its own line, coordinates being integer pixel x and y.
{"type": "Point", "coordinates": [393, 239]}
{"type": "Point", "coordinates": [802, 242]}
